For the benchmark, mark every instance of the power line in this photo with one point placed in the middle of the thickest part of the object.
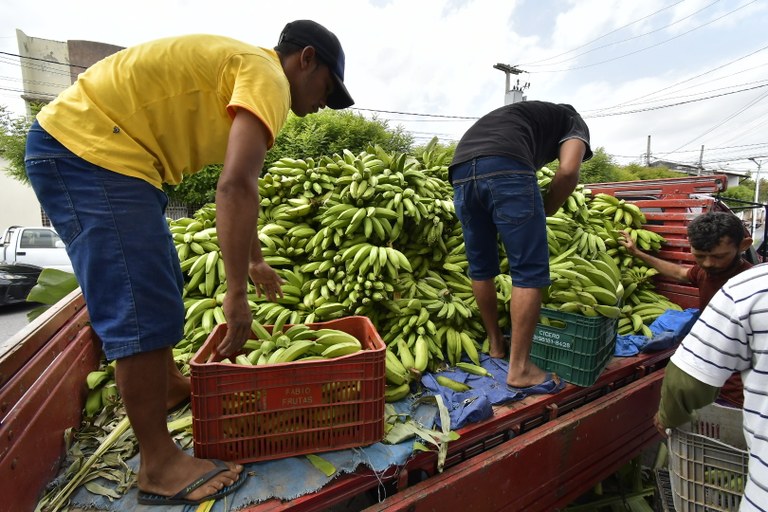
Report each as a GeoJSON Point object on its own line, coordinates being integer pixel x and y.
{"type": "Point", "coordinates": [454, 117]}
{"type": "Point", "coordinates": [647, 109]}
{"type": "Point", "coordinates": [535, 63]}
{"type": "Point", "coordinates": [628, 39]}
{"type": "Point", "coordinates": [630, 102]}
{"type": "Point", "coordinates": [718, 125]}
{"type": "Point", "coordinates": [647, 47]}
{"type": "Point", "coordinates": [693, 95]}
{"type": "Point", "coordinates": [415, 114]}
{"type": "Point", "coordinates": [44, 60]}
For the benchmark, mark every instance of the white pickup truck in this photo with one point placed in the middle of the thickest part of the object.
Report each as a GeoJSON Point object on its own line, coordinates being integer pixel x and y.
{"type": "Point", "coordinates": [24, 252]}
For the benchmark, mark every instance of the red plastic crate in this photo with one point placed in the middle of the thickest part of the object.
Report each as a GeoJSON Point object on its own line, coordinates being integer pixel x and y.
{"type": "Point", "coordinates": [254, 413]}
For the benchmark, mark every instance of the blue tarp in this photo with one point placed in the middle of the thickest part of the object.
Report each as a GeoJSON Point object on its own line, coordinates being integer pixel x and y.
{"type": "Point", "coordinates": [284, 479]}
{"type": "Point", "coordinates": [476, 403]}
{"type": "Point", "coordinates": [668, 330]}
{"type": "Point", "coordinates": [292, 477]}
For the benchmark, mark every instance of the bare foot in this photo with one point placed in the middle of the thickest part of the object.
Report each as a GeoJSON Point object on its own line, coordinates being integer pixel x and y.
{"type": "Point", "coordinates": [498, 347]}
{"type": "Point", "coordinates": [532, 375]}
{"type": "Point", "coordinates": [178, 472]}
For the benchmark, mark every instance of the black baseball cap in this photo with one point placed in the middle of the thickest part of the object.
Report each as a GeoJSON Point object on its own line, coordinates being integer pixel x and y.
{"type": "Point", "coordinates": [326, 44]}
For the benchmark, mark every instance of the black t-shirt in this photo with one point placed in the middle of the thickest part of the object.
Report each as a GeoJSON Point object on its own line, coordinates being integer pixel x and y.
{"type": "Point", "coordinates": [530, 132]}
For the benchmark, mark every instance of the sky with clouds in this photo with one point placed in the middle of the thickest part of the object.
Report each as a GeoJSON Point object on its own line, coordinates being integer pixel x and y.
{"type": "Point", "coordinates": [687, 73]}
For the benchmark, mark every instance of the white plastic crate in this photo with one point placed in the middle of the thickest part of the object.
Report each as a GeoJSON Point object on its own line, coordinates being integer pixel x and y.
{"type": "Point", "coordinates": [708, 461]}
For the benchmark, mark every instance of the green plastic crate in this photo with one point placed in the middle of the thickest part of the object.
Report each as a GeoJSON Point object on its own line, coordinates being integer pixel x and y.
{"type": "Point", "coordinates": [579, 350]}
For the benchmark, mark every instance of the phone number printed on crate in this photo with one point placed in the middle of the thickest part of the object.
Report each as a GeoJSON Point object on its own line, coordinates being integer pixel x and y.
{"type": "Point", "coordinates": [552, 338]}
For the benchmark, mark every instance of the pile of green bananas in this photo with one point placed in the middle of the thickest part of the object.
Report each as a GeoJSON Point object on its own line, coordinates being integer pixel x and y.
{"type": "Point", "coordinates": [349, 234]}
{"type": "Point", "coordinates": [586, 233]}
{"type": "Point", "coordinates": [296, 342]}
{"type": "Point", "coordinates": [375, 234]}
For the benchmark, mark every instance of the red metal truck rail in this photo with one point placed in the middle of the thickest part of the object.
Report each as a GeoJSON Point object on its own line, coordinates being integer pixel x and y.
{"type": "Point", "coordinates": [559, 444]}
{"type": "Point", "coordinates": [42, 394]}
{"type": "Point", "coordinates": [554, 426]}
{"type": "Point", "coordinates": [550, 466]}
{"type": "Point", "coordinates": [665, 188]}
{"type": "Point", "coordinates": [670, 205]}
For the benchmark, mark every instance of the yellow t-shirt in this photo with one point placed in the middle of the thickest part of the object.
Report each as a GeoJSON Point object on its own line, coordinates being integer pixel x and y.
{"type": "Point", "coordinates": [162, 109]}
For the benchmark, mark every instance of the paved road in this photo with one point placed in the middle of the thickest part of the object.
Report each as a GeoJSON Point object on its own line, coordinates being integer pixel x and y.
{"type": "Point", "coordinates": [13, 318]}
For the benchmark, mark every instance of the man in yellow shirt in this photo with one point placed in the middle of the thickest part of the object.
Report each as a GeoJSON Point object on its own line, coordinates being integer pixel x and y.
{"type": "Point", "coordinates": [97, 157]}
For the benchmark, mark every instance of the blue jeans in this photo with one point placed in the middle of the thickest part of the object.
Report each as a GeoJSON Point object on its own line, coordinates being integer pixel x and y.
{"type": "Point", "coordinates": [497, 196]}
{"type": "Point", "coordinates": [121, 248]}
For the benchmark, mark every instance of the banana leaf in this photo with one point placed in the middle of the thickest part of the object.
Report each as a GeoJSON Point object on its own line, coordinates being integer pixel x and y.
{"type": "Point", "coordinates": [52, 286]}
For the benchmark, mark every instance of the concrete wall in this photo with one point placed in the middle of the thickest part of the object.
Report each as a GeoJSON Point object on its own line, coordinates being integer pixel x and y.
{"type": "Point", "coordinates": [45, 78]}
{"type": "Point", "coordinates": [18, 203]}
{"type": "Point", "coordinates": [52, 66]}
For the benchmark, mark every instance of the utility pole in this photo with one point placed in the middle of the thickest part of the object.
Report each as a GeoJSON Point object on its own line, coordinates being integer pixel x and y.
{"type": "Point", "coordinates": [757, 193]}
{"type": "Point", "coordinates": [515, 93]}
{"type": "Point", "coordinates": [701, 159]}
{"type": "Point", "coordinates": [648, 153]}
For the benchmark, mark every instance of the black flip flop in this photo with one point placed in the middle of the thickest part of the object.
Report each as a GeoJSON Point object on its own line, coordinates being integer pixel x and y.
{"type": "Point", "coordinates": [146, 498]}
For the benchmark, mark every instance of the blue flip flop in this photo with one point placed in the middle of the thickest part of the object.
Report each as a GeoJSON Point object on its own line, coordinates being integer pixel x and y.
{"type": "Point", "coordinates": [552, 384]}
{"type": "Point", "coordinates": [146, 498]}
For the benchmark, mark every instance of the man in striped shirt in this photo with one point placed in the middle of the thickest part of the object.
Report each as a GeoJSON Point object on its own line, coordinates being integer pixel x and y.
{"type": "Point", "coordinates": [731, 335]}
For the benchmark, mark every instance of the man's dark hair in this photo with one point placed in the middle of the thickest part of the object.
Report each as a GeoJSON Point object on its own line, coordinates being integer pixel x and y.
{"type": "Point", "coordinates": [705, 231]}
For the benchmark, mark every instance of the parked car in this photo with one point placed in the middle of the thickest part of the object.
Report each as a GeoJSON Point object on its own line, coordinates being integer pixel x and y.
{"type": "Point", "coordinates": [16, 281]}
{"type": "Point", "coordinates": [24, 253]}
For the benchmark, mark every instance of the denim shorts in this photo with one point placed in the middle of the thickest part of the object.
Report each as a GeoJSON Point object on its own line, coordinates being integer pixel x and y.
{"type": "Point", "coordinates": [497, 196]}
{"type": "Point", "coordinates": [121, 248]}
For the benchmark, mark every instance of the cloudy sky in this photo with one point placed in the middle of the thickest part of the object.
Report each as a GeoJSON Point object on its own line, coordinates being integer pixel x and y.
{"type": "Point", "coordinates": [687, 73]}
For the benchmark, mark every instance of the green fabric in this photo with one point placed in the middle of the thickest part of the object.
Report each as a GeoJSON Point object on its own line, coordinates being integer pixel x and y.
{"type": "Point", "coordinates": [682, 394]}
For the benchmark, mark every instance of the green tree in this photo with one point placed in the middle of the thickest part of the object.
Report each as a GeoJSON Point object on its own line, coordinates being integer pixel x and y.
{"type": "Point", "coordinates": [599, 169]}
{"type": "Point", "coordinates": [13, 140]}
{"type": "Point", "coordinates": [749, 183]}
{"type": "Point", "coordinates": [197, 189]}
{"type": "Point", "coordinates": [655, 173]}
{"type": "Point", "coordinates": [740, 192]}
{"type": "Point", "coordinates": [330, 131]}
{"type": "Point", "coordinates": [325, 133]}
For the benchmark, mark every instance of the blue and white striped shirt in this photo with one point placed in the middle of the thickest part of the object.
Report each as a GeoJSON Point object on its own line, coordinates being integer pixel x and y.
{"type": "Point", "coordinates": [732, 336]}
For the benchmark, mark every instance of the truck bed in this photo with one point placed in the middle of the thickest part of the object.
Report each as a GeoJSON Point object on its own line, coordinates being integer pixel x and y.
{"type": "Point", "coordinates": [573, 439]}
{"type": "Point", "coordinates": [536, 454]}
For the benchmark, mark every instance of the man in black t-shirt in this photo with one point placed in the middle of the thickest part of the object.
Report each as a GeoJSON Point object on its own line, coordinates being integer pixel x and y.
{"type": "Point", "coordinates": [496, 193]}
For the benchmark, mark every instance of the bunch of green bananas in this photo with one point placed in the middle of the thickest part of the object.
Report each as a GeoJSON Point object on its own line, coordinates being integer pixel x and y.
{"type": "Point", "coordinates": [588, 238]}
{"type": "Point", "coordinates": [587, 287]}
{"type": "Point", "coordinates": [288, 343]}
{"type": "Point", "coordinates": [576, 203]}
{"type": "Point", "coordinates": [618, 210]}
{"type": "Point", "coordinates": [642, 306]}
{"type": "Point", "coordinates": [646, 239]}
{"type": "Point", "coordinates": [102, 390]}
